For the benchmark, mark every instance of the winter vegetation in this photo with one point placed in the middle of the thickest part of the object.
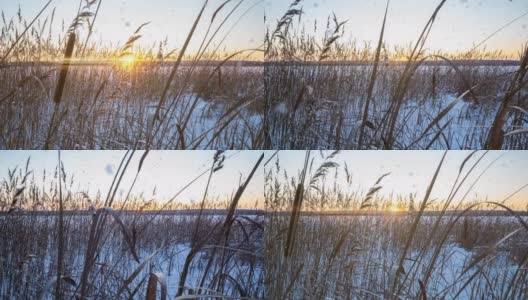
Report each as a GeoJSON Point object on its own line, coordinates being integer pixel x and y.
{"type": "Point", "coordinates": [63, 89]}
{"type": "Point", "coordinates": [324, 91]}
{"type": "Point", "coordinates": [325, 240]}
{"type": "Point", "coordinates": [58, 243]}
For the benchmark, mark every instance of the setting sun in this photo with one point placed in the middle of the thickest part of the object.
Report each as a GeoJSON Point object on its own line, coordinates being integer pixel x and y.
{"type": "Point", "coordinates": [127, 60]}
{"type": "Point", "coordinates": [394, 208]}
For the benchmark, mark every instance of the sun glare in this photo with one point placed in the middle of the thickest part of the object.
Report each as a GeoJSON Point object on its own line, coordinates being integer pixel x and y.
{"type": "Point", "coordinates": [127, 60]}
{"type": "Point", "coordinates": [393, 208]}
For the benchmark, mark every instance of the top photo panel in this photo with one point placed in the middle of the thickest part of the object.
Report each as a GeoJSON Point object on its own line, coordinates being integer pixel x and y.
{"type": "Point", "coordinates": [131, 74]}
{"type": "Point", "coordinates": [400, 74]}
{"type": "Point", "coordinates": [263, 74]}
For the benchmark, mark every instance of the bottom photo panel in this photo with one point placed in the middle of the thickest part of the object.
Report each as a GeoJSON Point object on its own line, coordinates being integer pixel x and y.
{"type": "Point", "coordinates": [263, 224]}
{"type": "Point", "coordinates": [131, 225]}
{"type": "Point", "coordinates": [396, 225]}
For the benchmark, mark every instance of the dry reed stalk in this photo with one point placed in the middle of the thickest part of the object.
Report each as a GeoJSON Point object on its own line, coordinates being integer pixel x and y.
{"type": "Point", "coordinates": [60, 88]}
{"type": "Point", "coordinates": [296, 209]}
{"type": "Point", "coordinates": [64, 68]}
{"type": "Point", "coordinates": [409, 70]}
{"type": "Point", "coordinates": [152, 285]}
{"type": "Point", "coordinates": [454, 190]}
{"type": "Point", "coordinates": [96, 228]}
{"type": "Point", "coordinates": [228, 222]}
{"type": "Point", "coordinates": [372, 79]}
{"type": "Point", "coordinates": [400, 269]}
{"type": "Point", "coordinates": [60, 236]}
{"type": "Point", "coordinates": [171, 77]}
{"type": "Point", "coordinates": [90, 29]}
{"type": "Point", "coordinates": [496, 134]}
{"type": "Point", "coordinates": [195, 247]}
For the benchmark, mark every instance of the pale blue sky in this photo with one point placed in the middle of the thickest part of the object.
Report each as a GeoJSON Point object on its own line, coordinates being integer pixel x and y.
{"type": "Point", "coordinates": [173, 19]}
{"type": "Point", "coordinates": [168, 171]}
{"type": "Point", "coordinates": [411, 172]}
{"type": "Point", "coordinates": [460, 23]}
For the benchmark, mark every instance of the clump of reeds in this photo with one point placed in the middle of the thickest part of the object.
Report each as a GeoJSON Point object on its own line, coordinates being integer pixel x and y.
{"type": "Point", "coordinates": [106, 104]}
{"type": "Point", "coordinates": [123, 246]}
{"type": "Point", "coordinates": [338, 95]}
{"type": "Point", "coordinates": [371, 253]}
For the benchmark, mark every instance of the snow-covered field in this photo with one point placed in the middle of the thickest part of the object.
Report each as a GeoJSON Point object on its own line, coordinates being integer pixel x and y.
{"type": "Point", "coordinates": [105, 107]}
{"type": "Point", "coordinates": [358, 257]}
{"type": "Point", "coordinates": [29, 249]}
{"type": "Point", "coordinates": [323, 106]}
